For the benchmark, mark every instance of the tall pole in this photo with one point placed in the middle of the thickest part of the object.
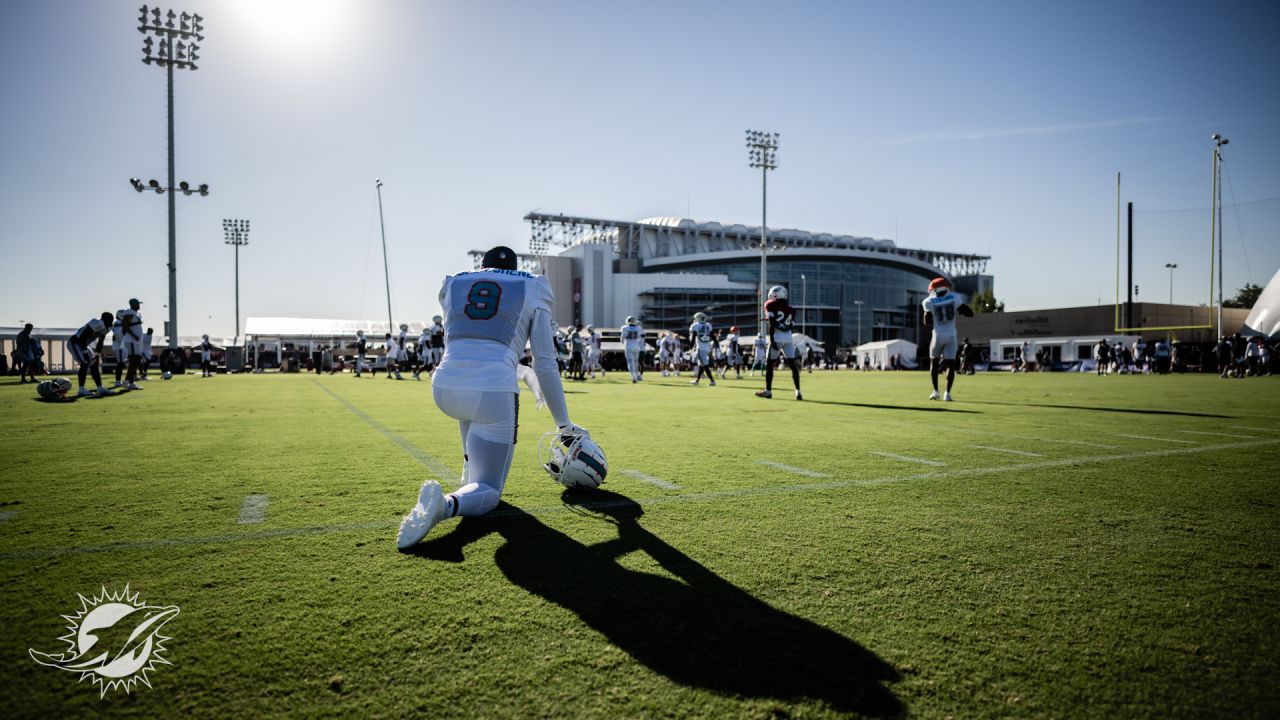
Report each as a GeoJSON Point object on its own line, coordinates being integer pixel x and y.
{"type": "Point", "coordinates": [858, 304]}
{"type": "Point", "coordinates": [1172, 267]}
{"type": "Point", "coordinates": [804, 304]}
{"type": "Point", "coordinates": [386, 272]}
{"type": "Point", "coordinates": [762, 150]}
{"type": "Point", "coordinates": [764, 243]}
{"type": "Point", "coordinates": [1128, 306]}
{"type": "Point", "coordinates": [237, 234]}
{"type": "Point", "coordinates": [1215, 223]}
{"type": "Point", "coordinates": [178, 48]}
{"type": "Point", "coordinates": [173, 226]}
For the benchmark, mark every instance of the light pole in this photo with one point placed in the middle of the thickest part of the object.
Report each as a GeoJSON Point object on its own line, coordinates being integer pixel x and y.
{"type": "Point", "coordinates": [1215, 222]}
{"type": "Point", "coordinates": [1172, 267]}
{"type": "Point", "coordinates": [386, 273]}
{"type": "Point", "coordinates": [804, 305]}
{"type": "Point", "coordinates": [175, 49]}
{"type": "Point", "coordinates": [858, 304]}
{"type": "Point", "coordinates": [762, 151]}
{"type": "Point", "coordinates": [237, 233]}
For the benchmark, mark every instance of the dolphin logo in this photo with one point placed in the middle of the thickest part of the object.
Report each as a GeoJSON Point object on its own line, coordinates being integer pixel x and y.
{"type": "Point", "coordinates": [114, 640]}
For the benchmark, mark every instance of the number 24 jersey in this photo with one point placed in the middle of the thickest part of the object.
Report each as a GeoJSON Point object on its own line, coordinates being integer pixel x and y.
{"type": "Point", "coordinates": [488, 316]}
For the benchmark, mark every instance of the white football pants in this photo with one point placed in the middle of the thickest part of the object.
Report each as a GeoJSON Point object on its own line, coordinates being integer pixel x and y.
{"type": "Point", "coordinates": [633, 362]}
{"type": "Point", "coordinates": [488, 422]}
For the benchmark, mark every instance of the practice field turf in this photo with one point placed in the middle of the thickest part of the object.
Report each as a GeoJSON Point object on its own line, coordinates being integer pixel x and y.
{"type": "Point", "coordinates": [1049, 545]}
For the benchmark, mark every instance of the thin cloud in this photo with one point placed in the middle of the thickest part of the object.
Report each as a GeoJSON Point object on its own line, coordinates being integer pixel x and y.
{"type": "Point", "coordinates": [991, 134]}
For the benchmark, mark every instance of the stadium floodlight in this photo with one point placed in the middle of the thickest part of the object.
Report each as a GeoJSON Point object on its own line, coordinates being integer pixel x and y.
{"type": "Point", "coordinates": [1172, 267]}
{"type": "Point", "coordinates": [237, 234]}
{"type": "Point", "coordinates": [175, 45]}
{"type": "Point", "coordinates": [762, 152]}
{"type": "Point", "coordinates": [137, 184]}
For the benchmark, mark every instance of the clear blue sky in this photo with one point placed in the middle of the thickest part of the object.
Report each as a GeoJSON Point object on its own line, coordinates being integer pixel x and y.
{"type": "Point", "coordinates": [989, 127]}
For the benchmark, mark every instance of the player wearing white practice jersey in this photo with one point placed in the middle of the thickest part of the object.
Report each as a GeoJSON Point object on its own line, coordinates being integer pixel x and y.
{"type": "Point", "coordinates": [758, 357]}
{"type": "Point", "coordinates": [940, 311]}
{"type": "Point", "coordinates": [362, 347]}
{"type": "Point", "coordinates": [633, 344]}
{"type": "Point", "coordinates": [664, 353]}
{"type": "Point", "coordinates": [117, 348]}
{"type": "Point", "coordinates": [733, 355]}
{"type": "Point", "coordinates": [393, 351]}
{"type": "Point", "coordinates": [86, 348]}
{"type": "Point", "coordinates": [402, 347]}
{"type": "Point", "coordinates": [700, 339]}
{"type": "Point", "coordinates": [592, 342]}
{"type": "Point", "coordinates": [489, 316]}
{"type": "Point", "coordinates": [131, 330]}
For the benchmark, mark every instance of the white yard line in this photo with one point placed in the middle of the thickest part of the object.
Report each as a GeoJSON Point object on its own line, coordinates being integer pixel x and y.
{"type": "Point", "coordinates": [1081, 443]}
{"type": "Point", "coordinates": [645, 477]}
{"type": "Point", "coordinates": [436, 467]}
{"type": "Point", "coordinates": [906, 458]}
{"type": "Point", "coordinates": [1248, 427]}
{"type": "Point", "coordinates": [1217, 434]}
{"type": "Point", "coordinates": [1157, 439]}
{"type": "Point", "coordinates": [253, 510]}
{"type": "Point", "coordinates": [764, 490]}
{"type": "Point", "coordinates": [1023, 453]}
{"type": "Point", "coordinates": [792, 469]}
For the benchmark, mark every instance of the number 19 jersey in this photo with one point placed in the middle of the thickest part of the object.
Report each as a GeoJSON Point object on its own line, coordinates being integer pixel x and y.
{"type": "Point", "coordinates": [488, 316]}
{"type": "Point", "coordinates": [943, 310]}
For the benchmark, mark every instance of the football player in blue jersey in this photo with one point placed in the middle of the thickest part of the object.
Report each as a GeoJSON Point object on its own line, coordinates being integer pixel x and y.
{"type": "Point", "coordinates": [940, 311]}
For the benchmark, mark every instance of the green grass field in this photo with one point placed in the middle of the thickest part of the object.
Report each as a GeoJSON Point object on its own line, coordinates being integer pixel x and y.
{"type": "Point", "coordinates": [1050, 545]}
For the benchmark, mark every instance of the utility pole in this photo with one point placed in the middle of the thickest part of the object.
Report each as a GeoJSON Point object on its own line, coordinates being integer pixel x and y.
{"type": "Point", "coordinates": [386, 272]}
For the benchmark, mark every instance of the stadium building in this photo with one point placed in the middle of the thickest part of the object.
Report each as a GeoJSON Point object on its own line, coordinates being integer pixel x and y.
{"type": "Point", "coordinates": [847, 290]}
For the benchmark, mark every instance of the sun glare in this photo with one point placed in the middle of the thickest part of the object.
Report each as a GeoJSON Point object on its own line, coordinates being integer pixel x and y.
{"type": "Point", "coordinates": [295, 27]}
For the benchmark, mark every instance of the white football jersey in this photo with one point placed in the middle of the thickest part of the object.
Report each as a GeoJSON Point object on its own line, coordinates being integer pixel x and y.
{"type": "Point", "coordinates": [633, 336]}
{"type": "Point", "coordinates": [944, 310]}
{"type": "Point", "coordinates": [134, 320]}
{"type": "Point", "coordinates": [702, 332]}
{"type": "Point", "coordinates": [488, 317]}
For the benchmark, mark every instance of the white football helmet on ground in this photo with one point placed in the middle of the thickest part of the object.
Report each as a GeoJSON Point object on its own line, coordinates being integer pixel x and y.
{"type": "Point", "coordinates": [55, 389]}
{"type": "Point", "coordinates": [573, 460]}
{"type": "Point", "coordinates": [166, 375]}
{"type": "Point", "coordinates": [777, 292]}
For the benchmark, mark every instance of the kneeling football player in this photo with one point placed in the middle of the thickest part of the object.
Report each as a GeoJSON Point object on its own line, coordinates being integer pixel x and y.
{"type": "Point", "coordinates": [86, 349]}
{"type": "Point", "coordinates": [489, 316]}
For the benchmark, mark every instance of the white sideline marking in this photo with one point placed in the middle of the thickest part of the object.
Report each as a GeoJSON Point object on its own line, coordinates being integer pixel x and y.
{"type": "Point", "coordinates": [7, 515]}
{"type": "Point", "coordinates": [793, 469]}
{"type": "Point", "coordinates": [253, 510]}
{"type": "Point", "coordinates": [651, 479]}
{"type": "Point", "coordinates": [1007, 450]}
{"type": "Point", "coordinates": [764, 490]}
{"type": "Point", "coordinates": [436, 467]}
{"type": "Point", "coordinates": [905, 458]}
{"type": "Point", "coordinates": [1160, 439]}
{"type": "Point", "coordinates": [1081, 443]}
{"type": "Point", "coordinates": [1247, 427]}
{"type": "Point", "coordinates": [1204, 432]}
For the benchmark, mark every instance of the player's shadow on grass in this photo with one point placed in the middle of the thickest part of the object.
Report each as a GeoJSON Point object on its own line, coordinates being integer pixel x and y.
{"type": "Point", "coordinates": [1095, 408]}
{"type": "Point", "coordinates": [874, 406]}
{"type": "Point", "coordinates": [696, 628]}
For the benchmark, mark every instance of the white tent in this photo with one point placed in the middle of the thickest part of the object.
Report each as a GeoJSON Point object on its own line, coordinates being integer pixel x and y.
{"type": "Point", "coordinates": [1264, 318]}
{"type": "Point", "coordinates": [881, 350]}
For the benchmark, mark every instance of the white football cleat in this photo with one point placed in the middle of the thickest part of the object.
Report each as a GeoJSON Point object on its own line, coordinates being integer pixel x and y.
{"type": "Point", "coordinates": [933, 395]}
{"type": "Point", "coordinates": [423, 516]}
{"type": "Point", "coordinates": [947, 397]}
{"type": "Point", "coordinates": [799, 396]}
